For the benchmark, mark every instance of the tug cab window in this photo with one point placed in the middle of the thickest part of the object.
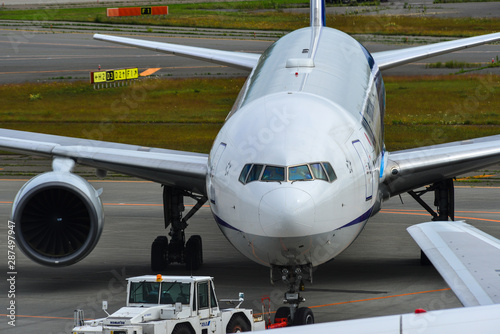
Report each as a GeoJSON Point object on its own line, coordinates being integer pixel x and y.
{"type": "Point", "coordinates": [162, 293]}
{"type": "Point", "coordinates": [306, 172]}
{"type": "Point", "coordinates": [204, 296]}
{"type": "Point", "coordinates": [144, 292]}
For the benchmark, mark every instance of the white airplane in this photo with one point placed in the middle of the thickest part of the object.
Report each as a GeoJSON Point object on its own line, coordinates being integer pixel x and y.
{"type": "Point", "coordinates": [293, 176]}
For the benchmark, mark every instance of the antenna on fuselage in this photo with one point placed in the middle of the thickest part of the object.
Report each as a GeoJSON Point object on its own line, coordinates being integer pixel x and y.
{"type": "Point", "coordinates": [318, 13]}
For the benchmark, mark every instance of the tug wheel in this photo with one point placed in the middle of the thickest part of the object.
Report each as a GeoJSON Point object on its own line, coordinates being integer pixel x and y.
{"type": "Point", "coordinates": [182, 329]}
{"type": "Point", "coordinates": [237, 324]}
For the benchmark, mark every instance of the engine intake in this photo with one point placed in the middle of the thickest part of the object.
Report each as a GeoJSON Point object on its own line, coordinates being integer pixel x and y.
{"type": "Point", "coordinates": [58, 218]}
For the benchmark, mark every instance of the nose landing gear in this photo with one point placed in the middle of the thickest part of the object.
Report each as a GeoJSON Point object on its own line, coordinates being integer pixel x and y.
{"type": "Point", "coordinates": [292, 314]}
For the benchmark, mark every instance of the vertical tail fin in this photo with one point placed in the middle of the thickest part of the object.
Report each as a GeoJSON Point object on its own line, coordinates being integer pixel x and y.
{"type": "Point", "coordinates": [318, 13]}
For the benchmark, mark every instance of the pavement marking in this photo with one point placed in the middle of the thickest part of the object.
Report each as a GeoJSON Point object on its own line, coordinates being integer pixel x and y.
{"type": "Point", "coordinates": [378, 298]}
{"type": "Point", "coordinates": [36, 316]}
{"type": "Point", "coordinates": [149, 71]}
{"type": "Point", "coordinates": [315, 306]}
{"type": "Point", "coordinates": [109, 181]}
{"type": "Point", "coordinates": [126, 204]}
{"type": "Point", "coordinates": [475, 177]}
{"type": "Point", "coordinates": [372, 299]}
{"type": "Point", "coordinates": [416, 210]}
{"type": "Point", "coordinates": [88, 70]}
{"type": "Point", "coordinates": [424, 213]}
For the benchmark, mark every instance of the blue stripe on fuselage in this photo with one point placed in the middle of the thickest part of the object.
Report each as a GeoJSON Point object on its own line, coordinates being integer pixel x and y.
{"type": "Point", "coordinates": [223, 223]}
{"type": "Point", "coordinates": [358, 220]}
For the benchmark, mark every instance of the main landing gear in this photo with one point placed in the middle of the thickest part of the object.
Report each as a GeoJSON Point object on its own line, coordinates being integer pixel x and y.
{"type": "Point", "coordinates": [293, 315]}
{"type": "Point", "coordinates": [190, 253]}
{"type": "Point", "coordinates": [444, 201]}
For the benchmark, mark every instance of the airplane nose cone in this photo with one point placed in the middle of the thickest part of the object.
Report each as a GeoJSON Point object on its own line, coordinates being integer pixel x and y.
{"type": "Point", "coordinates": [287, 212]}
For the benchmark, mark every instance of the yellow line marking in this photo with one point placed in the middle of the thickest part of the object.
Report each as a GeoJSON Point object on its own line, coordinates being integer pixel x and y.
{"type": "Point", "coordinates": [475, 177]}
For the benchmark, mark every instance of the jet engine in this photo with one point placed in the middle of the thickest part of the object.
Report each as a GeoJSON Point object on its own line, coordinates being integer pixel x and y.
{"type": "Point", "coordinates": [58, 218]}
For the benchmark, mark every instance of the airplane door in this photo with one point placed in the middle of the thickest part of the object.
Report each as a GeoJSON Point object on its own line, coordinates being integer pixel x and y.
{"type": "Point", "coordinates": [215, 159]}
{"type": "Point", "coordinates": [365, 161]}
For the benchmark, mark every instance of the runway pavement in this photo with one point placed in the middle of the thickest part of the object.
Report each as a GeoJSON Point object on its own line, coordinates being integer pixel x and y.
{"type": "Point", "coordinates": [380, 274]}
{"type": "Point", "coordinates": [60, 51]}
{"type": "Point", "coordinates": [37, 56]}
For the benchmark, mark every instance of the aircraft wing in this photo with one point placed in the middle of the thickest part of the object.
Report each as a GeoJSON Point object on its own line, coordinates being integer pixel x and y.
{"type": "Point", "coordinates": [242, 60]}
{"type": "Point", "coordinates": [467, 258]}
{"type": "Point", "coordinates": [393, 58]}
{"type": "Point", "coordinates": [185, 170]}
{"type": "Point", "coordinates": [410, 169]}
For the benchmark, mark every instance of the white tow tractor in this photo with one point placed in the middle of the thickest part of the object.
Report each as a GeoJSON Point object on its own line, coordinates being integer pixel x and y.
{"type": "Point", "coordinates": [171, 304]}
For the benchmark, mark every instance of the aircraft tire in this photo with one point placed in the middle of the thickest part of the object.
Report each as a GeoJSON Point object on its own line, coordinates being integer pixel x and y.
{"type": "Point", "coordinates": [194, 253]}
{"type": "Point", "coordinates": [283, 312]}
{"type": "Point", "coordinates": [159, 250]}
{"type": "Point", "coordinates": [303, 316]}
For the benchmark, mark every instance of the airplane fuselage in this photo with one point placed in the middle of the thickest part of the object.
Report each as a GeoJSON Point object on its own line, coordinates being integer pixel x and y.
{"type": "Point", "coordinates": [295, 170]}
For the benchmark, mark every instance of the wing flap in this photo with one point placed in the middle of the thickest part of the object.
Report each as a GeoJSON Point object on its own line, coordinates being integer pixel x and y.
{"type": "Point", "coordinates": [467, 259]}
{"type": "Point", "coordinates": [242, 60]}
{"type": "Point", "coordinates": [393, 58]}
{"type": "Point", "coordinates": [181, 169]}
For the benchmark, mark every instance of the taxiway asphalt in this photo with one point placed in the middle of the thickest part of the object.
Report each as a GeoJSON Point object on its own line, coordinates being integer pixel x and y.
{"type": "Point", "coordinates": [34, 52]}
{"type": "Point", "coordinates": [380, 274]}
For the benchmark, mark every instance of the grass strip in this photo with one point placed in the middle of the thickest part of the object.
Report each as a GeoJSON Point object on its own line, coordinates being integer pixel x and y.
{"type": "Point", "coordinates": [271, 15]}
{"type": "Point", "coordinates": [186, 114]}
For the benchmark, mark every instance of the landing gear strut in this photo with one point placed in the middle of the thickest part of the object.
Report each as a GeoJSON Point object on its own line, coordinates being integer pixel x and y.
{"type": "Point", "coordinates": [444, 200]}
{"type": "Point", "coordinates": [294, 277]}
{"type": "Point", "coordinates": [190, 252]}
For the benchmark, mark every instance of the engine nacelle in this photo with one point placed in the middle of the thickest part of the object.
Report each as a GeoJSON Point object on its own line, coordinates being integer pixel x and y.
{"type": "Point", "coordinates": [58, 218]}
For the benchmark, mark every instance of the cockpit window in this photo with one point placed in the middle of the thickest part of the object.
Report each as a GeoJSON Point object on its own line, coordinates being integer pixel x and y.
{"type": "Point", "coordinates": [244, 173]}
{"type": "Point", "coordinates": [329, 170]}
{"type": "Point", "coordinates": [266, 173]}
{"type": "Point", "coordinates": [254, 173]}
{"type": "Point", "coordinates": [273, 173]}
{"type": "Point", "coordinates": [299, 173]}
{"type": "Point", "coordinates": [318, 171]}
